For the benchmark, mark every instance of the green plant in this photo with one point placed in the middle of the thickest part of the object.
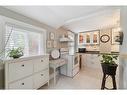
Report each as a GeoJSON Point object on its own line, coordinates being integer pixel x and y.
{"type": "Point", "coordinates": [108, 58]}
{"type": "Point", "coordinates": [15, 52]}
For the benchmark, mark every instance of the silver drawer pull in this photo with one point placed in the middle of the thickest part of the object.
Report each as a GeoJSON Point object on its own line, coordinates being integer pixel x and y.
{"type": "Point", "coordinates": [22, 83]}
{"type": "Point", "coordinates": [41, 74]}
{"type": "Point", "coordinates": [41, 60]}
{"type": "Point", "coordinates": [23, 65]}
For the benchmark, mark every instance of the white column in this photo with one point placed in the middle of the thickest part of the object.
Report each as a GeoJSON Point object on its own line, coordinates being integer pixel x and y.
{"type": "Point", "coordinates": [123, 50]}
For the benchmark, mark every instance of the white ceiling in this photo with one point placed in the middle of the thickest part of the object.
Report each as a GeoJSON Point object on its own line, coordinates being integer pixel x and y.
{"type": "Point", "coordinates": [74, 18]}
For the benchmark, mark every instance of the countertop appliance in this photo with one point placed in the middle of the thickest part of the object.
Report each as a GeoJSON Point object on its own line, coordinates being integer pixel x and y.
{"type": "Point", "coordinates": [81, 50]}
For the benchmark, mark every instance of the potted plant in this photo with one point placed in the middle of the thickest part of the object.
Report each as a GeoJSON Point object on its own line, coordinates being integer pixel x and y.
{"type": "Point", "coordinates": [15, 52]}
{"type": "Point", "coordinates": [108, 64]}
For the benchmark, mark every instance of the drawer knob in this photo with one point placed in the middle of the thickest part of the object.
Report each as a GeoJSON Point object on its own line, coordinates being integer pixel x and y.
{"type": "Point", "coordinates": [41, 60]}
{"type": "Point", "coordinates": [41, 74]}
{"type": "Point", "coordinates": [23, 65]}
{"type": "Point", "coordinates": [22, 83]}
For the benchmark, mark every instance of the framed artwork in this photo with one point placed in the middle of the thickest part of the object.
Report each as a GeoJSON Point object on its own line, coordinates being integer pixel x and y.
{"type": "Point", "coordinates": [116, 36]}
{"type": "Point", "coordinates": [54, 44]}
{"type": "Point", "coordinates": [49, 44]}
{"type": "Point", "coordinates": [52, 35]}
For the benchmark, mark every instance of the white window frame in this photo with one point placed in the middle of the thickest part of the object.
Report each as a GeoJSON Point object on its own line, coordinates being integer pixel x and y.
{"type": "Point", "coordinates": [18, 24]}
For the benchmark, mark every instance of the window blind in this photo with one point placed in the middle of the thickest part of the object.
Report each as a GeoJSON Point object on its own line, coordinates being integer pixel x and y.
{"type": "Point", "coordinates": [28, 40]}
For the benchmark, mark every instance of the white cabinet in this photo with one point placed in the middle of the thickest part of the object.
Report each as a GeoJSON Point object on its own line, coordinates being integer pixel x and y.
{"type": "Point", "coordinates": [26, 83]}
{"type": "Point", "coordinates": [40, 78]}
{"type": "Point", "coordinates": [90, 37]}
{"type": "Point", "coordinates": [27, 73]}
{"type": "Point", "coordinates": [91, 60]}
{"type": "Point", "coordinates": [40, 64]}
{"type": "Point", "coordinates": [19, 69]}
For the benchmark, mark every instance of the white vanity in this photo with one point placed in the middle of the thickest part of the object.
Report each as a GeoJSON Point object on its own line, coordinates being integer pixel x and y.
{"type": "Point", "coordinates": [27, 73]}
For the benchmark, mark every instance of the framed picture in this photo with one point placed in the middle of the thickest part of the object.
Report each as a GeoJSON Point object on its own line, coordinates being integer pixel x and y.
{"type": "Point", "coordinates": [54, 44]}
{"type": "Point", "coordinates": [52, 35]}
{"type": "Point", "coordinates": [49, 44]}
{"type": "Point", "coordinates": [115, 36]}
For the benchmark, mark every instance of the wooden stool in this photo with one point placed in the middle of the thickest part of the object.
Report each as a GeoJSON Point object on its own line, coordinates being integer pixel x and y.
{"type": "Point", "coordinates": [105, 76]}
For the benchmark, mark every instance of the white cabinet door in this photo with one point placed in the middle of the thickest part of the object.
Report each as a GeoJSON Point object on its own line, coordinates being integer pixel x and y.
{"type": "Point", "coordinates": [22, 84]}
{"type": "Point", "coordinates": [88, 60]}
{"type": "Point", "coordinates": [93, 61]}
{"type": "Point", "coordinates": [41, 64]}
{"type": "Point", "coordinates": [40, 78]}
{"type": "Point", "coordinates": [84, 59]}
{"type": "Point", "coordinates": [19, 70]}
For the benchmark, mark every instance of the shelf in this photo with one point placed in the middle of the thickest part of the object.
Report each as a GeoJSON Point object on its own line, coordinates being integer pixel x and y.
{"type": "Point", "coordinates": [65, 40]}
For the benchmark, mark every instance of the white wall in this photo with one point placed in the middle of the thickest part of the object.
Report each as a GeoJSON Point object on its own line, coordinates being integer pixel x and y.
{"type": "Point", "coordinates": [123, 50]}
{"type": "Point", "coordinates": [105, 47]}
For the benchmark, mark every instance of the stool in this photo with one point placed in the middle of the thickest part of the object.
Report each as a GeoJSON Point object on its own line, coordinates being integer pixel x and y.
{"type": "Point", "coordinates": [105, 76]}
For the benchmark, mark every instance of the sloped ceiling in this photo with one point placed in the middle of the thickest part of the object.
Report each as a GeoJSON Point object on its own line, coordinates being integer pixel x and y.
{"type": "Point", "coordinates": [74, 18]}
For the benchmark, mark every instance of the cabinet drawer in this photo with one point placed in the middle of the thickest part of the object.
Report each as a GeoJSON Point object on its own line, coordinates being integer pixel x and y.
{"type": "Point", "coordinates": [41, 64]}
{"type": "Point", "coordinates": [41, 78]}
{"type": "Point", "coordinates": [19, 70]}
{"type": "Point", "coordinates": [22, 84]}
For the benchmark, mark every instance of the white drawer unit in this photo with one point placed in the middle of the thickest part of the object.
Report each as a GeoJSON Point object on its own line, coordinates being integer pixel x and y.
{"type": "Point", "coordinates": [41, 64]}
{"type": "Point", "coordinates": [27, 73]}
{"type": "Point", "coordinates": [40, 78]}
{"type": "Point", "coordinates": [19, 70]}
{"type": "Point", "coordinates": [26, 83]}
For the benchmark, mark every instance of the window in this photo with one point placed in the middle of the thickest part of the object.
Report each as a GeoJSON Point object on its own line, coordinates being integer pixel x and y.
{"type": "Point", "coordinates": [30, 41]}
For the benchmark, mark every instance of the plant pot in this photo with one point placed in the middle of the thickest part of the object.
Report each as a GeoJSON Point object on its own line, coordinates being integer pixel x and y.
{"type": "Point", "coordinates": [109, 69]}
{"type": "Point", "coordinates": [15, 57]}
